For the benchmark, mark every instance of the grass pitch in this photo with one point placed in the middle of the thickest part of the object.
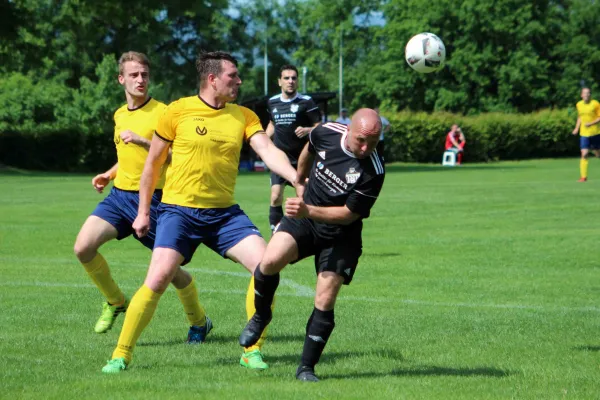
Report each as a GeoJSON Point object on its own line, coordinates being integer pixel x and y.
{"type": "Point", "coordinates": [475, 282]}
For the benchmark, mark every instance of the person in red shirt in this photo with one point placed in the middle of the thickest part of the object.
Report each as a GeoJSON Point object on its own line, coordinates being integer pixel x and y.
{"type": "Point", "coordinates": [455, 141]}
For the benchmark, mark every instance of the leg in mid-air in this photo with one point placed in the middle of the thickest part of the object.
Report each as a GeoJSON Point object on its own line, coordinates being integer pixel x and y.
{"type": "Point", "coordinates": [281, 250]}
{"type": "Point", "coordinates": [93, 234]}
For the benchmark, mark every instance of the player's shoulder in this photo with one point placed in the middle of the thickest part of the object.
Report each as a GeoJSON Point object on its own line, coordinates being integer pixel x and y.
{"type": "Point", "coordinates": [274, 99]}
{"type": "Point", "coordinates": [595, 103]}
{"type": "Point", "coordinates": [333, 128]}
{"type": "Point", "coordinates": [120, 110]}
{"type": "Point", "coordinates": [156, 106]}
{"type": "Point", "coordinates": [304, 97]}
{"type": "Point", "coordinates": [178, 105]}
{"type": "Point", "coordinates": [579, 103]}
{"type": "Point", "coordinates": [374, 165]}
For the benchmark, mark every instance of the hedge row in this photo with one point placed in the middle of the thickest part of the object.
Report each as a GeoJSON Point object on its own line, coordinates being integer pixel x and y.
{"type": "Point", "coordinates": [420, 137]}
{"type": "Point", "coordinates": [415, 137]}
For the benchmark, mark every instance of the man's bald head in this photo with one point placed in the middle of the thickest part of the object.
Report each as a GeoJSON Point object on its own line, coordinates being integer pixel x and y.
{"type": "Point", "coordinates": [363, 132]}
{"type": "Point", "coordinates": [366, 122]}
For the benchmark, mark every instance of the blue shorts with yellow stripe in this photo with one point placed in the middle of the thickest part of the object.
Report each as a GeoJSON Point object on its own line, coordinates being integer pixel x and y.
{"type": "Point", "coordinates": [184, 228]}
{"type": "Point", "coordinates": [120, 209]}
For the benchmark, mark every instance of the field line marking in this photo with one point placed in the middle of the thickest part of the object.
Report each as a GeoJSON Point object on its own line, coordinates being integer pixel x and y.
{"type": "Point", "coordinates": [300, 293]}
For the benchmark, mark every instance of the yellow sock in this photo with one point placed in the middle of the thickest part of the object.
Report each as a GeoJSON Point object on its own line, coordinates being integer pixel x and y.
{"type": "Point", "coordinates": [98, 270]}
{"type": "Point", "coordinates": [193, 309]}
{"type": "Point", "coordinates": [250, 310]}
{"type": "Point", "coordinates": [583, 167]}
{"type": "Point", "coordinates": [138, 315]}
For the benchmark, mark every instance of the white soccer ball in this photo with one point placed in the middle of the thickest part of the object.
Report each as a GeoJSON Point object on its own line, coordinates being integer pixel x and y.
{"type": "Point", "coordinates": [425, 53]}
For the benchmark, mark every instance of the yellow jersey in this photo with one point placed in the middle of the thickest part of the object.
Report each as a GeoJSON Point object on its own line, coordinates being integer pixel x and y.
{"type": "Point", "coordinates": [132, 157]}
{"type": "Point", "coordinates": [588, 113]}
{"type": "Point", "coordinates": [206, 146]}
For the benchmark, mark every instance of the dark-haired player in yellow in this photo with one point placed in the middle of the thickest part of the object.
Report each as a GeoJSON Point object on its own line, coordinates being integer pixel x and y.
{"type": "Point", "coordinates": [205, 133]}
{"type": "Point", "coordinates": [588, 116]}
{"type": "Point", "coordinates": [135, 123]}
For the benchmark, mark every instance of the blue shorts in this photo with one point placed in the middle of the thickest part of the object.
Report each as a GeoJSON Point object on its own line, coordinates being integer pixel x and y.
{"type": "Point", "coordinates": [590, 142]}
{"type": "Point", "coordinates": [120, 208]}
{"type": "Point", "coordinates": [185, 228]}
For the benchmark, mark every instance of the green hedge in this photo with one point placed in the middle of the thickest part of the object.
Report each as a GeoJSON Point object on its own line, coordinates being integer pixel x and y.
{"type": "Point", "coordinates": [420, 137]}
{"type": "Point", "coordinates": [415, 137]}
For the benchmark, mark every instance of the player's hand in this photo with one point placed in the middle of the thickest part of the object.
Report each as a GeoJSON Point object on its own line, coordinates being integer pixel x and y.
{"type": "Point", "coordinates": [587, 125]}
{"type": "Point", "coordinates": [302, 132]}
{"type": "Point", "coordinates": [574, 131]}
{"type": "Point", "coordinates": [130, 137]}
{"type": "Point", "coordinates": [295, 208]}
{"type": "Point", "coordinates": [141, 225]}
{"type": "Point", "coordinates": [100, 181]}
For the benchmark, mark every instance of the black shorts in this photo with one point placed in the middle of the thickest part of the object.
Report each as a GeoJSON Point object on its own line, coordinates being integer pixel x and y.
{"type": "Point", "coordinates": [339, 255]}
{"type": "Point", "coordinates": [278, 180]}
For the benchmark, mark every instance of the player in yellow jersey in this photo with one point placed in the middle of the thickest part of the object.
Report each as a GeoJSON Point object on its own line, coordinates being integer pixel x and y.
{"type": "Point", "coordinates": [205, 133]}
{"type": "Point", "coordinates": [135, 123]}
{"type": "Point", "coordinates": [588, 116]}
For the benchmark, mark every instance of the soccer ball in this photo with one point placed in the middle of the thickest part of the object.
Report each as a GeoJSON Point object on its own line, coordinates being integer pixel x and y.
{"type": "Point", "coordinates": [425, 52]}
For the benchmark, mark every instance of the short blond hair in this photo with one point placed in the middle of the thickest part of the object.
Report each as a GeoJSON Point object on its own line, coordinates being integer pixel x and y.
{"type": "Point", "coordinates": [133, 56]}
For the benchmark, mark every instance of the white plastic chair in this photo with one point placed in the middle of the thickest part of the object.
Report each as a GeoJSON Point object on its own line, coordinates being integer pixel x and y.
{"type": "Point", "coordinates": [449, 159]}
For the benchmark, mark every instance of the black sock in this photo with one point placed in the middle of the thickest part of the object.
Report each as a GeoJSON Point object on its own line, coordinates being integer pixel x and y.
{"type": "Point", "coordinates": [264, 291]}
{"type": "Point", "coordinates": [318, 329]}
{"type": "Point", "coordinates": [275, 215]}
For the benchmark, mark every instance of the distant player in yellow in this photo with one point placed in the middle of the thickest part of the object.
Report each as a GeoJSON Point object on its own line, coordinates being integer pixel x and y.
{"type": "Point", "coordinates": [206, 134]}
{"type": "Point", "coordinates": [588, 116]}
{"type": "Point", "coordinates": [135, 123]}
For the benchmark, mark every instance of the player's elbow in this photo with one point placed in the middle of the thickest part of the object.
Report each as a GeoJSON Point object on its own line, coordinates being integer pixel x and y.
{"type": "Point", "coordinates": [348, 218]}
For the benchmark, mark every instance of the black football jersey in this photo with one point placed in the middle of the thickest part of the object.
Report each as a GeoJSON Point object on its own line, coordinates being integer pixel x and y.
{"type": "Point", "coordinates": [286, 115]}
{"type": "Point", "coordinates": [338, 178]}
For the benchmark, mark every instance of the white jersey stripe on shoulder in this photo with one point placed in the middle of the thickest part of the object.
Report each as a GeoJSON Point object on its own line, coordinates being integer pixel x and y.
{"type": "Point", "coordinates": [376, 163]}
{"type": "Point", "coordinates": [368, 195]}
{"type": "Point", "coordinates": [341, 128]}
{"type": "Point", "coordinates": [275, 97]}
{"type": "Point", "coordinates": [314, 108]}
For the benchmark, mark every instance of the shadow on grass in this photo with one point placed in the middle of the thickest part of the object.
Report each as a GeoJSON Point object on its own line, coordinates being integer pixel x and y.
{"type": "Point", "coordinates": [333, 357]}
{"type": "Point", "coordinates": [158, 343]}
{"type": "Point", "coordinates": [382, 255]}
{"type": "Point", "coordinates": [426, 370]}
{"type": "Point", "coordinates": [587, 348]}
{"type": "Point", "coordinates": [465, 167]}
{"type": "Point", "coordinates": [218, 339]}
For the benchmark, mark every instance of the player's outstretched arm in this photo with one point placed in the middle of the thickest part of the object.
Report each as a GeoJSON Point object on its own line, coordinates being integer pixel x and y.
{"type": "Point", "coordinates": [275, 159]}
{"type": "Point", "coordinates": [157, 156]}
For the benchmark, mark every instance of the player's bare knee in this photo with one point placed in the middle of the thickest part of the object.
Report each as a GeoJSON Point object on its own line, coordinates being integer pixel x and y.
{"type": "Point", "coordinates": [84, 251]}
{"type": "Point", "coordinates": [325, 301]}
{"type": "Point", "coordinates": [276, 199]}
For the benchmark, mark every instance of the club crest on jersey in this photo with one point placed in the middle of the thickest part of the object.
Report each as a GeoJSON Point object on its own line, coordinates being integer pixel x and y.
{"type": "Point", "coordinates": [352, 176]}
{"type": "Point", "coordinates": [294, 108]}
{"type": "Point", "coordinates": [202, 131]}
{"type": "Point", "coordinates": [322, 154]}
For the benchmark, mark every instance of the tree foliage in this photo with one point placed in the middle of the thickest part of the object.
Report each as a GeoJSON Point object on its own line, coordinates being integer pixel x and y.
{"type": "Point", "coordinates": [58, 58]}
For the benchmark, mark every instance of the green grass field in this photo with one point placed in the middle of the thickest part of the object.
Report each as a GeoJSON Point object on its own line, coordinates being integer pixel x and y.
{"type": "Point", "coordinates": [479, 282]}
